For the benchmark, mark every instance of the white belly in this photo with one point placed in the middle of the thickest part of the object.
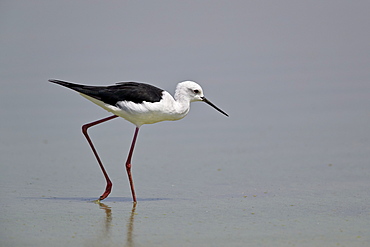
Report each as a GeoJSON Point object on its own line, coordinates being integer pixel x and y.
{"type": "Point", "coordinates": [144, 113]}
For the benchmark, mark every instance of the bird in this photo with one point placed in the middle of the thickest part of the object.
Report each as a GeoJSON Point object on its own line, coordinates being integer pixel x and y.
{"type": "Point", "coordinates": [139, 103]}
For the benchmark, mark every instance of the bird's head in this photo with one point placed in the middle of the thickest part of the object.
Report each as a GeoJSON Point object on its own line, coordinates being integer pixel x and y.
{"type": "Point", "coordinates": [193, 92]}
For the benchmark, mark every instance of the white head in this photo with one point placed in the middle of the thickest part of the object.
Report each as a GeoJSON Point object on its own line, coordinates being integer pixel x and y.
{"type": "Point", "coordinates": [192, 91]}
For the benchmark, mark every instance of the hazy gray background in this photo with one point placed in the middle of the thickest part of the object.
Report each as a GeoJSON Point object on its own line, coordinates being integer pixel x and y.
{"type": "Point", "coordinates": [290, 166]}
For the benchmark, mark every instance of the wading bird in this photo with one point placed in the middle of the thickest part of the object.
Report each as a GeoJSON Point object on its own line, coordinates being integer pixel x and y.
{"type": "Point", "coordinates": [138, 103]}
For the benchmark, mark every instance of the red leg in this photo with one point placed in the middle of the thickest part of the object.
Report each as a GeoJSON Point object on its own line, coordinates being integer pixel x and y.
{"type": "Point", "coordinates": [84, 131]}
{"type": "Point", "coordinates": [128, 164]}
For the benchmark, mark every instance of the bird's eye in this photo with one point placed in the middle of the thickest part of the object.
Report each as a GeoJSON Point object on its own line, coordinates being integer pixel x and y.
{"type": "Point", "coordinates": [196, 91]}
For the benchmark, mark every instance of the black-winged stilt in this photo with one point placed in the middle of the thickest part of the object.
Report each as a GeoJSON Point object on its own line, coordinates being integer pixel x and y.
{"type": "Point", "coordinates": [138, 103]}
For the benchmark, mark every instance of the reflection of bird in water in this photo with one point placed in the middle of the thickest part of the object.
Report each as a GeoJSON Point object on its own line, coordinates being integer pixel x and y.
{"type": "Point", "coordinates": [138, 103]}
{"type": "Point", "coordinates": [105, 238]}
{"type": "Point", "coordinates": [108, 218]}
{"type": "Point", "coordinates": [130, 228]}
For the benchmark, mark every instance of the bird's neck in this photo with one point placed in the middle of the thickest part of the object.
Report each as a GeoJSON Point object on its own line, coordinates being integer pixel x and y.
{"type": "Point", "coordinates": [181, 104]}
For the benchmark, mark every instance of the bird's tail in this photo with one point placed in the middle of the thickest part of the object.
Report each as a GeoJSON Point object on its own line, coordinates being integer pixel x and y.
{"type": "Point", "coordinates": [66, 84]}
{"type": "Point", "coordinates": [76, 87]}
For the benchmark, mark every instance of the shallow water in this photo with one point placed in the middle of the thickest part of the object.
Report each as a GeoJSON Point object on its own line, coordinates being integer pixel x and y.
{"type": "Point", "coordinates": [211, 181]}
{"type": "Point", "coordinates": [289, 167]}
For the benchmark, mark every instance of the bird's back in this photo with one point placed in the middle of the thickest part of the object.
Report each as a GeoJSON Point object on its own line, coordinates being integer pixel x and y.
{"type": "Point", "coordinates": [123, 91]}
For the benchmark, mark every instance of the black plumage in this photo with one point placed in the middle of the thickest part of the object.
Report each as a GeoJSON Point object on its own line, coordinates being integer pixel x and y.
{"type": "Point", "coordinates": [123, 91]}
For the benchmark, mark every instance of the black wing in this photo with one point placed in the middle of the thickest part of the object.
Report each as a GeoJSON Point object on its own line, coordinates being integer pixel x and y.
{"type": "Point", "coordinates": [123, 91]}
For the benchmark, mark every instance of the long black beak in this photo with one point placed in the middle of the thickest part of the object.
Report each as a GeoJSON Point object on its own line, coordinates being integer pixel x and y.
{"type": "Point", "coordinates": [211, 104]}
